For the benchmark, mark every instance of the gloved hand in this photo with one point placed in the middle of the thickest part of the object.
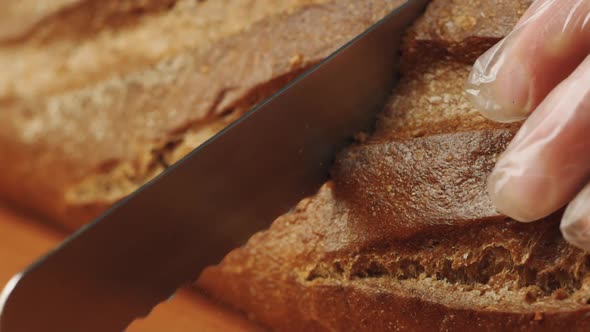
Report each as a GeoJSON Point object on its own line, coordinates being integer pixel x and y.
{"type": "Point", "coordinates": [542, 71]}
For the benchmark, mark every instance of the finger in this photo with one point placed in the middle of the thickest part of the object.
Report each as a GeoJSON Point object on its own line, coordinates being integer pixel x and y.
{"type": "Point", "coordinates": [549, 159]}
{"type": "Point", "coordinates": [575, 224]}
{"type": "Point", "coordinates": [535, 8]}
{"type": "Point", "coordinates": [510, 80]}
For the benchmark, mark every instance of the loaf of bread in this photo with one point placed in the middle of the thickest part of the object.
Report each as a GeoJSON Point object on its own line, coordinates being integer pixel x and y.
{"type": "Point", "coordinates": [403, 237]}
{"type": "Point", "coordinates": [98, 97]}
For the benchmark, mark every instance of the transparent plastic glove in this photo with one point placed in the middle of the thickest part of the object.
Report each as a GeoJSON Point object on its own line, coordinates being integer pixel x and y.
{"type": "Point", "coordinates": [542, 71]}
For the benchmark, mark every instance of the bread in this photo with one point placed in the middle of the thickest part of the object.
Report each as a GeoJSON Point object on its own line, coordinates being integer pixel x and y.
{"type": "Point", "coordinates": [462, 28]}
{"type": "Point", "coordinates": [98, 97]}
{"type": "Point", "coordinates": [403, 237]}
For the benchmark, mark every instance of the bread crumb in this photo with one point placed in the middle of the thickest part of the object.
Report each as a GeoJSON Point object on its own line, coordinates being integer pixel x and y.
{"type": "Point", "coordinates": [435, 99]}
{"type": "Point", "coordinates": [465, 22]}
{"type": "Point", "coordinates": [296, 60]}
{"type": "Point", "coordinates": [560, 294]}
{"type": "Point", "coordinates": [530, 297]}
{"type": "Point", "coordinates": [538, 316]}
{"type": "Point", "coordinates": [418, 133]}
{"type": "Point", "coordinates": [419, 154]}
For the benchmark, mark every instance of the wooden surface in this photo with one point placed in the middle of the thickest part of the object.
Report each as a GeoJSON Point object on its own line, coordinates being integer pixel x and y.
{"type": "Point", "coordinates": [22, 240]}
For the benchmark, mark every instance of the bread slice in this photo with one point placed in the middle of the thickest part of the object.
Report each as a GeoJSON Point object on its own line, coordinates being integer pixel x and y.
{"type": "Point", "coordinates": [404, 237]}
{"type": "Point", "coordinates": [98, 97]}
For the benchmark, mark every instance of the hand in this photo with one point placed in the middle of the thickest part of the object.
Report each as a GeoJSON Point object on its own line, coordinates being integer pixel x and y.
{"type": "Point", "coordinates": [542, 71]}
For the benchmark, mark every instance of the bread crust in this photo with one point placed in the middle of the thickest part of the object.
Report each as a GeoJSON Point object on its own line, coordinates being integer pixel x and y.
{"type": "Point", "coordinates": [404, 236]}
{"type": "Point", "coordinates": [83, 134]}
{"type": "Point", "coordinates": [408, 264]}
{"type": "Point", "coordinates": [29, 19]}
{"type": "Point", "coordinates": [461, 29]}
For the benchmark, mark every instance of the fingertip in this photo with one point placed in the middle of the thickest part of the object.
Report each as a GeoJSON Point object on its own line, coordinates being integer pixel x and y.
{"type": "Point", "coordinates": [503, 96]}
{"type": "Point", "coordinates": [577, 232]}
{"type": "Point", "coordinates": [575, 223]}
{"type": "Point", "coordinates": [516, 196]}
{"type": "Point", "coordinates": [499, 84]}
{"type": "Point", "coordinates": [510, 80]}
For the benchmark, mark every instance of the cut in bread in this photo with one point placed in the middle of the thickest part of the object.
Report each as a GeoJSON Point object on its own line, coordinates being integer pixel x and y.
{"type": "Point", "coordinates": [404, 236]}
{"type": "Point", "coordinates": [98, 97]}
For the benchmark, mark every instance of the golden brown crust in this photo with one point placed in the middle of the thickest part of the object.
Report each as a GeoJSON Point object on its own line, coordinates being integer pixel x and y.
{"type": "Point", "coordinates": [429, 100]}
{"type": "Point", "coordinates": [80, 143]}
{"type": "Point", "coordinates": [320, 268]}
{"type": "Point", "coordinates": [19, 17]}
{"type": "Point", "coordinates": [402, 188]}
{"type": "Point", "coordinates": [404, 237]}
{"type": "Point", "coordinates": [30, 19]}
{"type": "Point", "coordinates": [63, 56]}
{"type": "Point", "coordinates": [461, 29]}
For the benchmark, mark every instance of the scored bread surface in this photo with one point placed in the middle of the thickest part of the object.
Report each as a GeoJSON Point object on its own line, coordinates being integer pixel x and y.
{"type": "Point", "coordinates": [404, 237]}
{"type": "Point", "coordinates": [98, 97]}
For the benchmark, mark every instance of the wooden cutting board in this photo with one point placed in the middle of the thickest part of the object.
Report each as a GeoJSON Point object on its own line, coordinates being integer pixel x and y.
{"type": "Point", "coordinates": [23, 239]}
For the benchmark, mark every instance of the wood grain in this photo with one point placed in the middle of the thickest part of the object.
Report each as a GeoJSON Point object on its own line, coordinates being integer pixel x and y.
{"type": "Point", "coordinates": [22, 240]}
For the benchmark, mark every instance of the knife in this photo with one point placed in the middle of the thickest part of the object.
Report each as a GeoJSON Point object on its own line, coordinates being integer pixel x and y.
{"type": "Point", "coordinates": [136, 255]}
